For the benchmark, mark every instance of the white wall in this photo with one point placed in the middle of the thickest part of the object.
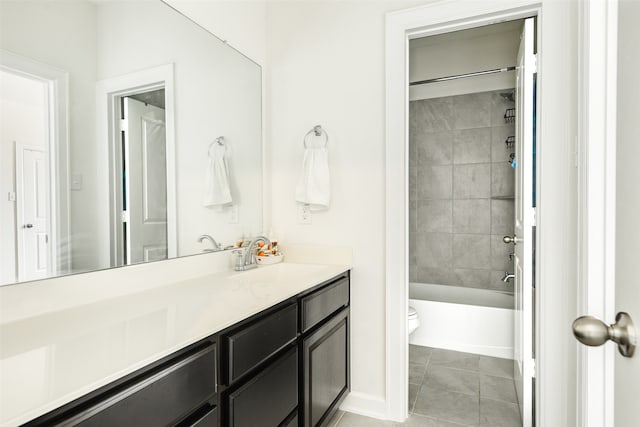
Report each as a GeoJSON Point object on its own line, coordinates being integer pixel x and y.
{"type": "Point", "coordinates": [326, 66]}
{"type": "Point", "coordinates": [61, 34]}
{"type": "Point", "coordinates": [241, 24]}
{"type": "Point", "coordinates": [22, 120]}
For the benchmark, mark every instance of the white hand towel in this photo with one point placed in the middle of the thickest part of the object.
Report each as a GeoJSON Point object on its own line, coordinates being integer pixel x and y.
{"type": "Point", "coordinates": [217, 191]}
{"type": "Point", "coordinates": [314, 186]}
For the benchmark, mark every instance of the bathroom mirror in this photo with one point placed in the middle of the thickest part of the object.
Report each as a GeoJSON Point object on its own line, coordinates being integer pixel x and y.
{"type": "Point", "coordinates": [127, 132]}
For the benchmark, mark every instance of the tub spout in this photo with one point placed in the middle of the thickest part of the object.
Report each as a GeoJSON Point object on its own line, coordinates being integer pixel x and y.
{"type": "Point", "coordinates": [508, 276]}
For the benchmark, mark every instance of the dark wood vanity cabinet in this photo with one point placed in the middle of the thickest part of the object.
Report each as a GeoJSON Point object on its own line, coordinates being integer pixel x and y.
{"type": "Point", "coordinates": [287, 366]}
{"type": "Point", "coordinates": [179, 390]}
{"type": "Point", "coordinates": [324, 351]}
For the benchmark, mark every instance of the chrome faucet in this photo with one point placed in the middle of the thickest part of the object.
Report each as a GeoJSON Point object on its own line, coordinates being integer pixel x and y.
{"type": "Point", "coordinates": [216, 246]}
{"type": "Point", "coordinates": [248, 259]}
{"type": "Point", "coordinates": [508, 276]}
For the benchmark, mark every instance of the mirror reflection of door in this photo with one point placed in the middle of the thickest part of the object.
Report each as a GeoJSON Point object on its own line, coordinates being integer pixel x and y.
{"type": "Point", "coordinates": [144, 177]}
{"type": "Point", "coordinates": [24, 178]}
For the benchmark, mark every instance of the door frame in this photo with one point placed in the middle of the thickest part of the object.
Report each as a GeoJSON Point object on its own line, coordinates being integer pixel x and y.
{"type": "Point", "coordinates": [57, 151]}
{"type": "Point", "coordinates": [557, 124]}
{"type": "Point", "coordinates": [596, 152]}
{"type": "Point", "coordinates": [107, 93]}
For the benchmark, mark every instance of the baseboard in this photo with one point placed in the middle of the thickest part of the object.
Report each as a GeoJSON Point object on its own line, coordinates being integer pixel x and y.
{"type": "Point", "coordinates": [365, 404]}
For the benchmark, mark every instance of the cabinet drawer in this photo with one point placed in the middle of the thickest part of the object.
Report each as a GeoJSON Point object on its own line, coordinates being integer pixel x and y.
{"type": "Point", "coordinates": [159, 399]}
{"type": "Point", "coordinates": [253, 344]}
{"type": "Point", "coordinates": [269, 397]}
{"type": "Point", "coordinates": [209, 419]}
{"type": "Point", "coordinates": [322, 303]}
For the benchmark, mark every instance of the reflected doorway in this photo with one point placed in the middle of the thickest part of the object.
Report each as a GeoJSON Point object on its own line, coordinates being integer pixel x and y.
{"type": "Point", "coordinates": [141, 169]}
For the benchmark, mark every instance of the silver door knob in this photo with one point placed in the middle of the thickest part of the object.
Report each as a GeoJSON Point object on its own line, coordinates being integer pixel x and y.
{"type": "Point", "coordinates": [28, 226]}
{"type": "Point", "coordinates": [510, 239]}
{"type": "Point", "coordinates": [594, 332]}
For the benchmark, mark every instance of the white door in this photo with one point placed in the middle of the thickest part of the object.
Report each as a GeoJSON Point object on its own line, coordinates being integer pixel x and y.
{"type": "Point", "coordinates": [146, 182]}
{"type": "Point", "coordinates": [618, 408]}
{"type": "Point", "coordinates": [32, 212]}
{"type": "Point", "coordinates": [524, 224]}
{"type": "Point", "coordinates": [627, 370]}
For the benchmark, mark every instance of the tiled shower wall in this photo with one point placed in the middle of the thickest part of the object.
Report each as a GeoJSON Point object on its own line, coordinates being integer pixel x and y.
{"type": "Point", "coordinates": [459, 176]}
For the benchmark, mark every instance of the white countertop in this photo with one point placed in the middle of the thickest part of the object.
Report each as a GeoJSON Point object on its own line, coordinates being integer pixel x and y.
{"type": "Point", "coordinates": [52, 358]}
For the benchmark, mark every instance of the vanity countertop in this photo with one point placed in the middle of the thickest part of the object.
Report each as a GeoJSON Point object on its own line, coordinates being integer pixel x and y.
{"type": "Point", "coordinates": [53, 358]}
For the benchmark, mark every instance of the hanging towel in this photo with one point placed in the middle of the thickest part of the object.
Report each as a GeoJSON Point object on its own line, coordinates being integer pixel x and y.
{"type": "Point", "coordinates": [314, 186]}
{"type": "Point", "coordinates": [217, 192]}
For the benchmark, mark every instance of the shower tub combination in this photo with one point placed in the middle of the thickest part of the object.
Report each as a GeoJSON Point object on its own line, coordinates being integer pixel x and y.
{"type": "Point", "coordinates": [471, 320]}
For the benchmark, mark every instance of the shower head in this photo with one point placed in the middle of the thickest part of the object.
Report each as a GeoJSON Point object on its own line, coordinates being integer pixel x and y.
{"type": "Point", "coordinates": [508, 96]}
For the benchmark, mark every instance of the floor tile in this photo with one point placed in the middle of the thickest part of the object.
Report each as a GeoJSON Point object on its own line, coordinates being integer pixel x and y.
{"type": "Point", "coordinates": [336, 418]}
{"type": "Point", "coordinates": [416, 420]}
{"type": "Point", "coordinates": [446, 405]}
{"type": "Point", "coordinates": [494, 413]}
{"type": "Point", "coordinates": [497, 388]}
{"type": "Point", "coordinates": [454, 359]}
{"type": "Point", "coordinates": [416, 373]}
{"type": "Point", "coordinates": [353, 420]}
{"type": "Point", "coordinates": [496, 366]}
{"type": "Point", "coordinates": [419, 354]}
{"type": "Point", "coordinates": [460, 381]}
{"type": "Point", "coordinates": [413, 393]}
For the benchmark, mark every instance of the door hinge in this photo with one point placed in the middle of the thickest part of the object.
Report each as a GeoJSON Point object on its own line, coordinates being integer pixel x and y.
{"type": "Point", "coordinates": [125, 216]}
{"type": "Point", "coordinates": [46, 238]}
{"type": "Point", "coordinates": [123, 124]}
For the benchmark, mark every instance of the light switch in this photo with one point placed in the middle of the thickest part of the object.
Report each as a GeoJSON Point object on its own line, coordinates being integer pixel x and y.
{"type": "Point", "coordinates": [76, 182]}
{"type": "Point", "coordinates": [233, 214]}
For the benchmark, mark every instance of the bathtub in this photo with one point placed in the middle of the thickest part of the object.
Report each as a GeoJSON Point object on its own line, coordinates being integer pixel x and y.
{"type": "Point", "coordinates": [463, 319]}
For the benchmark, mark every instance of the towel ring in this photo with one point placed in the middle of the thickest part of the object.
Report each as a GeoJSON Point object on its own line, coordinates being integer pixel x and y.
{"type": "Point", "coordinates": [316, 131]}
{"type": "Point", "coordinates": [220, 141]}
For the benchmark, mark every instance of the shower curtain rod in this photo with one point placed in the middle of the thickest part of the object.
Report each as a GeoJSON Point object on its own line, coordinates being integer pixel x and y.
{"type": "Point", "coordinates": [462, 76]}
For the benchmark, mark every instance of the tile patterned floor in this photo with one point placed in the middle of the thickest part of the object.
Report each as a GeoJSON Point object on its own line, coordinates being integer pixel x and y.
{"type": "Point", "coordinates": [452, 389]}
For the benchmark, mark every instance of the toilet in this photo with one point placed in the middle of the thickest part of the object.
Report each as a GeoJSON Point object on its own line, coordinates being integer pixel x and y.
{"type": "Point", "coordinates": [413, 320]}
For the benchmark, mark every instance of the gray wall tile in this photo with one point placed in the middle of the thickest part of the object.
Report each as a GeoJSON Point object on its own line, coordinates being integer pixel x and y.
{"type": "Point", "coordinates": [434, 182]}
{"type": "Point", "coordinates": [436, 275]}
{"type": "Point", "coordinates": [435, 149]}
{"type": "Point", "coordinates": [472, 181]}
{"type": "Point", "coordinates": [500, 254]}
{"type": "Point", "coordinates": [434, 215]}
{"type": "Point", "coordinates": [472, 146]}
{"type": "Point", "coordinates": [471, 251]}
{"type": "Point", "coordinates": [499, 150]}
{"type": "Point", "coordinates": [437, 115]}
{"type": "Point", "coordinates": [472, 278]}
{"type": "Point", "coordinates": [498, 107]}
{"type": "Point", "coordinates": [472, 110]}
{"type": "Point", "coordinates": [502, 179]}
{"type": "Point", "coordinates": [458, 160]}
{"type": "Point", "coordinates": [472, 216]}
{"type": "Point", "coordinates": [502, 216]}
{"type": "Point", "coordinates": [434, 250]}
{"type": "Point", "coordinates": [496, 282]}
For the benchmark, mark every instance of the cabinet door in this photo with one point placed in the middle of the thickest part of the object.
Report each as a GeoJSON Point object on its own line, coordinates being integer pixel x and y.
{"type": "Point", "coordinates": [325, 356]}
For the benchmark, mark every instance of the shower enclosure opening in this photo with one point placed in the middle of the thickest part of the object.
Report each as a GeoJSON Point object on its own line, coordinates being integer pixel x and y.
{"type": "Point", "coordinates": [470, 124]}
